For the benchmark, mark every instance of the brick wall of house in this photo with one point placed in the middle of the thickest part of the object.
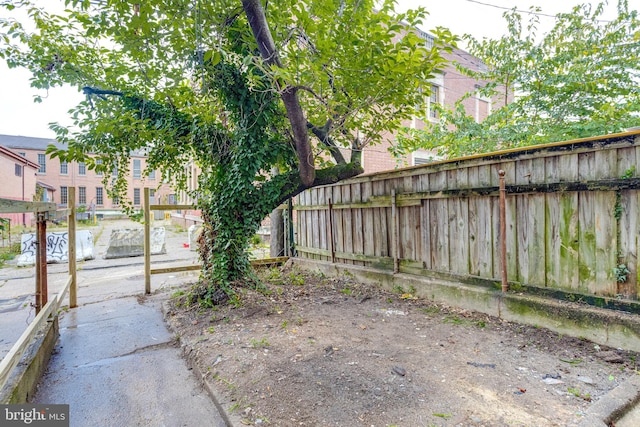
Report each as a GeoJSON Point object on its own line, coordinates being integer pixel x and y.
{"type": "Point", "coordinates": [18, 182]}
{"type": "Point", "coordinates": [452, 86]}
{"type": "Point", "coordinates": [88, 183]}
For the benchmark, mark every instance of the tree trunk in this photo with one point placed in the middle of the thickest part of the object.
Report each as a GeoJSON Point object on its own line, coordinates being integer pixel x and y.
{"type": "Point", "coordinates": [262, 34]}
{"type": "Point", "coordinates": [276, 241]}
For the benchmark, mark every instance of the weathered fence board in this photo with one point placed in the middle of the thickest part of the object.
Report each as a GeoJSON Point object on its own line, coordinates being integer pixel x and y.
{"type": "Point", "coordinates": [369, 228]}
{"type": "Point", "coordinates": [568, 226]}
{"type": "Point", "coordinates": [347, 224]}
{"type": "Point", "coordinates": [357, 216]}
{"type": "Point", "coordinates": [572, 217]}
{"type": "Point", "coordinates": [425, 236]}
{"type": "Point", "coordinates": [338, 230]}
{"type": "Point", "coordinates": [322, 221]}
{"type": "Point", "coordinates": [629, 241]}
{"type": "Point", "coordinates": [587, 242]}
{"type": "Point", "coordinates": [380, 223]}
{"type": "Point", "coordinates": [537, 251]}
{"type": "Point", "coordinates": [537, 224]}
{"type": "Point", "coordinates": [459, 224]}
{"type": "Point", "coordinates": [606, 253]}
{"type": "Point", "coordinates": [315, 219]}
{"type": "Point", "coordinates": [553, 244]}
{"type": "Point", "coordinates": [440, 233]}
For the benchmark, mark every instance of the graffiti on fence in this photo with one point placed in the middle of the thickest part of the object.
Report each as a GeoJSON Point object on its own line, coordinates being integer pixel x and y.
{"type": "Point", "coordinates": [57, 247]}
{"type": "Point", "coordinates": [29, 245]}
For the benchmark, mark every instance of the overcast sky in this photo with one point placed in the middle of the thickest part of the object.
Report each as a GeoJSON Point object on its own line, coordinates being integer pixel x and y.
{"type": "Point", "coordinates": [19, 115]}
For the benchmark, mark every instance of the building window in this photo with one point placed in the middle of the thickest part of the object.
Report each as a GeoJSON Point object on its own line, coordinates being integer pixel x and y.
{"type": "Point", "coordinates": [82, 195]}
{"type": "Point", "coordinates": [44, 192]}
{"type": "Point", "coordinates": [64, 196]}
{"type": "Point", "coordinates": [136, 168]}
{"type": "Point", "coordinates": [422, 160]}
{"type": "Point", "coordinates": [434, 99]}
{"type": "Point", "coordinates": [99, 167]}
{"type": "Point", "coordinates": [136, 196]}
{"type": "Point", "coordinates": [114, 172]}
{"type": "Point", "coordinates": [429, 40]}
{"type": "Point", "coordinates": [64, 168]}
{"type": "Point", "coordinates": [18, 170]}
{"type": "Point", "coordinates": [116, 200]}
{"type": "Point", "coordinates": [42, 161]}
{"type": "Point", "coordinates": [152, 174]}
{"type": "Point", "coordinates": [152, 196]}
{"type": "Point", "coordinates": [82, 169]}
{"type": "Point", "coordinates": [99, 200]}
{"type": "Point", "coordinates": [424, 157]}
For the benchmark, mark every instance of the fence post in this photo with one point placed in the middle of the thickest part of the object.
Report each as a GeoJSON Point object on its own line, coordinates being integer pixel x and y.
{"type": "Point", "coordinates": [395, 232]}
{"type": "Point", "coordinates": [41, 261]}
{"type": "Point", "coordinates": [503, 231]}
{"type": "Point", "coordinates": [287, 222]}
{"type": "Point", "coordinates": [291, 242]}
{"type": "Point", "coordinates": [333, 249]}
{"type": "Point", "coordinates": [71, 224]}
{"type": "Point", "coordinates": [147, 243]}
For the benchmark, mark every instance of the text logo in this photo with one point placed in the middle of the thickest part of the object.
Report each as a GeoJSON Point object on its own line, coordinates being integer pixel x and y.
{"type": "Point", "coordinates": [34, 415]}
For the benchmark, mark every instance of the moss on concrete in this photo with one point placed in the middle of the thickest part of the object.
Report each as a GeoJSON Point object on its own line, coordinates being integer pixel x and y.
{"type": "Point", "coordinates": [23, 381]}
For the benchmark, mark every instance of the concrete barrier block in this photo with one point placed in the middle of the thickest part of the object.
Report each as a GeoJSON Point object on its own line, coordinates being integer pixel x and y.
{"type": "Point", "coordinates": [194, 232]}
{"type": "Point", "coordinates": [129, 242]}
{"type": "Point", "coordinates": [84, 245]}
{"type": "Point", "coordinates": [57, 247]}
{"type": "Point", "coordinates": [158, 241]}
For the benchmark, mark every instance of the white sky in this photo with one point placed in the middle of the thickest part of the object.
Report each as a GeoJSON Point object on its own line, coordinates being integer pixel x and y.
{"type": "Point", "coordinates": [19, 115]}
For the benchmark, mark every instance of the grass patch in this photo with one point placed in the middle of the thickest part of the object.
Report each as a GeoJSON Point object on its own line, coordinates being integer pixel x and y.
{"type": "Point", "coordinates": [8, 253]}
{"type": "Point", "coordinates": [263, 343]}
{"type": "Point", "coordinates": [441, 415]}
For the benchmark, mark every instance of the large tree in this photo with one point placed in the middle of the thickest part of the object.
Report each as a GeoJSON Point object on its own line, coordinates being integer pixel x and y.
{"type": "Point", "coordinates": [239, 87]}
{"type": "Point", "coordinates": [577, 80]}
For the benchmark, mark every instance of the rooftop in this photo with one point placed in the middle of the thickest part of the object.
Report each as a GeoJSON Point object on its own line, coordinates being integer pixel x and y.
{"type": "Point", "coordinates": [27, 142]}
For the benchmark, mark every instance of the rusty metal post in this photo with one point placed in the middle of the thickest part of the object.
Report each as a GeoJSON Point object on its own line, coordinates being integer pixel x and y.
{"type": "Point", "coordinates": [503, 231]}
{"type": "Point", "coordinates": [42, 292]}
{"type": "Point", "coordinates": [333, 249]}
{"type": "Point", "coordinates": [395, 233]}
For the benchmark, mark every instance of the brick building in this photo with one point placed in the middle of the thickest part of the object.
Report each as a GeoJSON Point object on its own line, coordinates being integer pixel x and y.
{"type": "Point", "coordinates": [18, 178]}
{"type": "Point", "coordinates": [447, 87]}
{"type": "Point", "coordinates": [53, 177]}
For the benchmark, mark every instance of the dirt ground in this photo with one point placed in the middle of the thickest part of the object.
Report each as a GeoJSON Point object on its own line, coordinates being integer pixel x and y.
{"type": "Point", "coordinates": [308, 350]}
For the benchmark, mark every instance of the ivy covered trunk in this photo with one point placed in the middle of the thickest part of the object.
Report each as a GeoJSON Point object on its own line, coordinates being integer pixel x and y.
{"type": "Point", "coordinates": [224, 248]}
{"type": "Point", "coordinates": [232, 218]}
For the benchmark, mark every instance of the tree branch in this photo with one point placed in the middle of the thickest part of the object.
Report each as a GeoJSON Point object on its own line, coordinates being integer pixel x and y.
{"type": "Point", "coordinates": [312, 92]}
{"type": "Point", "coordinates": [356, 150]}
{"type": "Point", "coordinates": [88, 90]}
{"type": "Point", "coordinates": [262, 34]}
{"type": "Point", "coordinates": [293, 185]}
{"type": "Point", "coordinates": [322, 135]}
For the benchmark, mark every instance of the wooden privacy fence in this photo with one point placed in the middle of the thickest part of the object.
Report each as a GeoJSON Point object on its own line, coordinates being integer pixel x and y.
{"type": "Point", "coordinates": [571, 217]}
{"type": "Point", "coordinates": [45, 308]}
